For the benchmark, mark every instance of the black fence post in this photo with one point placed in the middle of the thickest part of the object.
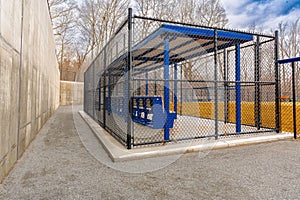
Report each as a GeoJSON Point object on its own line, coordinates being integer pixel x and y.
{"type": "Point", "coordinates": [104, 90]}
{"type": "Point", "coordinates": [216, 103]}
{"type": "Point", "coordinates": [85, 92]}
{"type": "Point", "coordinates": [257, 84]}
{"type": "Point", "coordinates": [294, 101]}
{"type": "Point", "coordinates": [129, 67]}
{"type": "Point", "coordinates": [225, 79]}
{"type": "Point", "coordinates": [277, 86]}
{"type": "Point", "coordinates": [94, 91]}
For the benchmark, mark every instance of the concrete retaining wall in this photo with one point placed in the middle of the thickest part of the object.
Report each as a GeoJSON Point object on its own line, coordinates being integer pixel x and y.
{"type": "Point", "coordinates": [29, 76]}
{"type": "Point", "coordinates": [71, 93]}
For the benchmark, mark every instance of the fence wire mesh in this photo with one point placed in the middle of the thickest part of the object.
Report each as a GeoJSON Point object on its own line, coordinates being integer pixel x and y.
{"type": "Point", "coordinates": [104, 87]}
{"type": "Point", "coordinates": [286, 98]}
{"type": "Point", "coordinates": [186, 82]}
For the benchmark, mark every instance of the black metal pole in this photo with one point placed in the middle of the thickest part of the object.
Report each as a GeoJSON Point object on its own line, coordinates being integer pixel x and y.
{"type": "Point", "coordinates": [294, 101]}
{"type": "Point", "coordinates": [99, 99]}
{"type": "Point", "coordinates": [216, 84]}
{"type": "Point", "coordinates": [85, 92]}
{"type": "Point", "coordinates": [104, 91]}
{"type": "Point", "coordinates": [227, 90]}
{"type": "Point", "coordinates": [129, 67]}
{"type": "Point", "coordinates": [94, 91]}
{"type": "Point", "coordinates": [277, 87]}
{"type": "Point", "coordinates": [257, 85]}
{"type": "Point", "coordinates": [225, 87]}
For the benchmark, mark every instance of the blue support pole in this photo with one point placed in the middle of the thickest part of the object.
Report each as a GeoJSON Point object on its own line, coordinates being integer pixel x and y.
{"type": "Point", "coordinates": [147, 87]}
{"type": "Point", "coordinates": [175, 89]}
{"type": "Point", "coordinates": [238, 88]}
{"type": "Point", "coordinates": [166, 89]}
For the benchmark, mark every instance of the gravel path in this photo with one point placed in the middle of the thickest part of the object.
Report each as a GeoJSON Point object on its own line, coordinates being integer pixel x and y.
{"type": "Point", "coordinates": [57, 165]}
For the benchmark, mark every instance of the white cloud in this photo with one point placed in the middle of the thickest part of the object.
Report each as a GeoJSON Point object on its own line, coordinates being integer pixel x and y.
{"type": "Point", "coordinates": [275, 20]}
{"type": "Point", "coordinates": [265, 13]}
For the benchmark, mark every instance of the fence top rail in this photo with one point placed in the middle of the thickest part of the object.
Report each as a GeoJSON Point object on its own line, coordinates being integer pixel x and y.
{"type": "Point", "coordinates": [289, 60]}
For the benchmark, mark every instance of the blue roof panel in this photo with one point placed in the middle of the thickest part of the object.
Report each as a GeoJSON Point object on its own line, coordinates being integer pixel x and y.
{"type": "Point", "coordinates": [200, 32]}
{"type": "Point", "coordinates": [196, 33]}
{"type": "Point", "coordinates": [187, 43]}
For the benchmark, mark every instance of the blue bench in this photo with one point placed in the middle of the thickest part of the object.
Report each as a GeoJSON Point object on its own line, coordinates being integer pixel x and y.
{"type": "Point", "coordinates": [148, 111]}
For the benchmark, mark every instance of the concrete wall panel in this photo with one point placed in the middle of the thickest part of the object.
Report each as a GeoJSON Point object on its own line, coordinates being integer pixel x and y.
{"type": "Point", "coordinates": [10, 20]}
{"type": "Point", "coordinates": [71, 93]}
{"type": "Point", "coordinates": [9, 88]}
{"type": "Point", "coordinates": [29, 76]}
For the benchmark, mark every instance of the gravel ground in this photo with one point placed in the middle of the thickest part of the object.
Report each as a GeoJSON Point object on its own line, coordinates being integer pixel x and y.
{"type": "Point", "coordinates": [64, 164]}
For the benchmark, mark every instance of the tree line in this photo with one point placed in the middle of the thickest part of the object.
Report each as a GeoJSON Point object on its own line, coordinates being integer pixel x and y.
{"type": "Point", "coordinates": [82, 29]}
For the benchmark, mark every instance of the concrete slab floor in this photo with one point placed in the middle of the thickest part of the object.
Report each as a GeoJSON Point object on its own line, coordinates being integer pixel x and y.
{"type": "Point", "coordinates": [63, 163]}
{"type": "Point", "coordinates": [118, 152]}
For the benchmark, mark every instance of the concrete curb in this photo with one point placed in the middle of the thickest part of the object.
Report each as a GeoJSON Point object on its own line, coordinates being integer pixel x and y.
{"type": "Point", "coordinates": [118, 153]}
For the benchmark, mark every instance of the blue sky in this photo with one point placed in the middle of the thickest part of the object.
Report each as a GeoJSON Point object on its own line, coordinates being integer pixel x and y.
{"type": "Point", "coordinates": [266, 14]}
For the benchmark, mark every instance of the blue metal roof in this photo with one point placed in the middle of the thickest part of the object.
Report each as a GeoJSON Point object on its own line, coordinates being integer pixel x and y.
{"type": "Point", "coordinates": [182, 31]}
{"type": "Point", "coordinates": [243, 37]}
{"type": "Point", "coordinates": [185, 43]}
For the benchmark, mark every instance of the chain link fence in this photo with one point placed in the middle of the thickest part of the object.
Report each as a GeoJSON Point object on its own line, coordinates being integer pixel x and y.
{"type": "Point", "coordinates": [103, 86]}
{"type": "Point", "coordinates": [159, 81]}
{"type": "Point", "coordinates": [290, 95]}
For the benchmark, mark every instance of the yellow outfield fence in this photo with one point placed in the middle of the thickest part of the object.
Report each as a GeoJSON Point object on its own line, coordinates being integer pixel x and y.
{"type": "Point", "coordinates": [287, 116]}
{"type": "Point", "coordinates": [206, 110]}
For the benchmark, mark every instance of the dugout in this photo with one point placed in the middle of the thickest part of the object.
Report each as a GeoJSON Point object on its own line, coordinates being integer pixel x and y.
{"type": "Point", "coordinates": [159, 81]}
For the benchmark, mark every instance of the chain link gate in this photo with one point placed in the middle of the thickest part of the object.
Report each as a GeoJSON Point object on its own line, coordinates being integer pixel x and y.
{"type": "Point", "coordinates": [160, 81]}
{"type": "Point", "coordinates": [289, 69]}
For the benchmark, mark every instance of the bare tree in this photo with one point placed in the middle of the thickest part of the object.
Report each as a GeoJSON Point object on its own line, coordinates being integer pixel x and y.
{"type": "Point", "coordinates": [98, 20]}
{"type": "Point", "coordinates": [289, 46]}
{"type": "Point", "coordinates": [202, 12]}
{"type": "Point", "coordinates": [161, 9]}
{"type": "Point", "coordinates": [87, 26]}
{"type": "Point", "coordinates": [289, 38]}
{"type": "Point", "coordinates": [211, 13]}
{"type": "Point", "coordinates": [186, 11]}
{"type": "Point", "coordinates": [62, 14]}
